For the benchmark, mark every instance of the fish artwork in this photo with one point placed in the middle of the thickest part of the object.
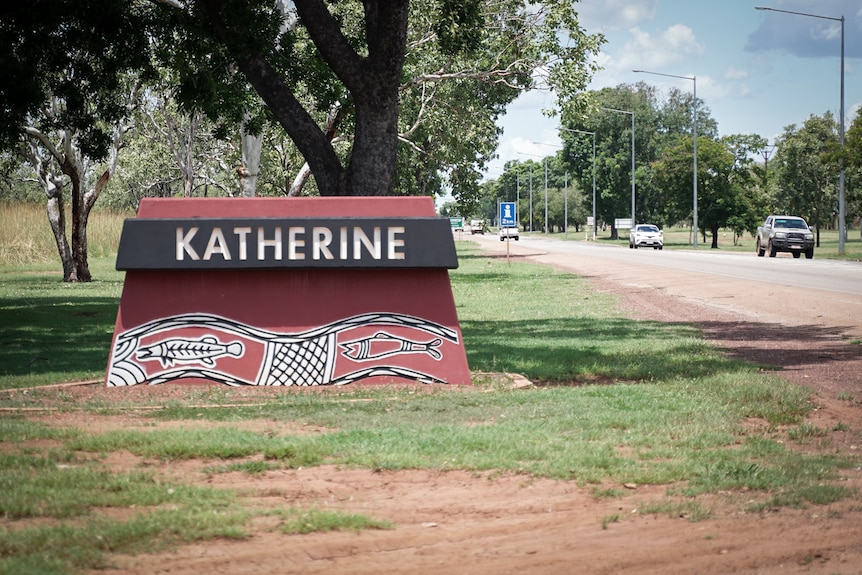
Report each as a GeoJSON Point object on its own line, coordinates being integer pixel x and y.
{"type": "Point", "coordinates": [205, 350]}
{"type": "Point", "coordinates": [338, 353]}
{"type": "Point", "coordinates": [382, 344]}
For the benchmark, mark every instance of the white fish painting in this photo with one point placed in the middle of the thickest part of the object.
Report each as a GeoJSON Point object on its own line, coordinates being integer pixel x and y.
{"type": "Point", "coordinates": [205, 350]}
{"type": "Point", "coordinates": [382, 344]}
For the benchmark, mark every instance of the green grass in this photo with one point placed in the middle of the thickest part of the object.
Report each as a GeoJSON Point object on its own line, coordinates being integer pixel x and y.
{"type": "Point", "coordinates": [52, 332]}
{"type": "Point", "coordinates": [605, 411]}
{"type": "Point", "coordinates": [315, 520]}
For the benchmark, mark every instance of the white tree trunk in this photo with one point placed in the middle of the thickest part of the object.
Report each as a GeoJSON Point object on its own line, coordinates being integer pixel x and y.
{"type": "Point", "coordinates": [248, 171]}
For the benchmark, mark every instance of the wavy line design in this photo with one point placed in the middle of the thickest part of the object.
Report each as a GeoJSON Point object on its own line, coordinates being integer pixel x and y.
{"type": "Point", "coordinates": [300, 359]}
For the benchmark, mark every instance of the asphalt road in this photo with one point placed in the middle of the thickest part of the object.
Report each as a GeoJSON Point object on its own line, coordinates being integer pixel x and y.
{"type": "Point", "coordinates": [824, 293]}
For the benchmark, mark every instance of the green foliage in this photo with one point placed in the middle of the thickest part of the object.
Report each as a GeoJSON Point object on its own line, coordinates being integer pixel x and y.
{"type": "Point", "coordinates": [853, 141]}
{"type": "Point", "coordinates": [724, 183]}
{"type": "Point", "coordinates": [321, 521]}
{"type": "Point", "coordinates": [663, 161]}
{"type": "Point", "coordinates": [75, 52]}
{"type": "Point", "coordinates": [807, 172]}
{"type": "Point", "coordinates": [459, 25]}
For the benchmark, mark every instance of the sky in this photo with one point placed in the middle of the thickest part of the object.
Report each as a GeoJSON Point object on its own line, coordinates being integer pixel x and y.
{"type": "Point", "coordinates": [756, 71]}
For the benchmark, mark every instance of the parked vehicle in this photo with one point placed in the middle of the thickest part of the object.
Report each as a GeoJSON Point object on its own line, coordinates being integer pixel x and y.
{"type": "Point", "coordinates": [477, 227]}
{"type": "Point", "coordinates": [785, 234]}
{"type": "Point", "coordinates": [510, 233]}
{"type": "Point", "coordinates": [646, 235]}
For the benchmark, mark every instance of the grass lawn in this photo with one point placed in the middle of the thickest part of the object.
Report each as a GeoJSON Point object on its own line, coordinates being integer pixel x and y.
{"type": "Point", "coordinates": [605, 410]}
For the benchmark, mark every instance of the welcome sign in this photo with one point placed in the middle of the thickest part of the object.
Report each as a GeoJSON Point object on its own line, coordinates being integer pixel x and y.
{"type": "Point", "coordinates": [287, 291]}
{"type": "Point", "coordinates": [273, 243]}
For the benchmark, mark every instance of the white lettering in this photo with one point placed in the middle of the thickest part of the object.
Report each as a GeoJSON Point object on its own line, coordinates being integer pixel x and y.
{"type": "Point", "coordinates": [263, 243]}
{"type": "Point", "coordinates": [242, 234]}
{"type": "Point", "coordinates": [216, 245]}
{"type": "Point", "coordinates": [184, 246]}
{"type": "Point", "coordinates": [342, 248]}
{"type": "Point", "coordinates": [322, 237]}
{"type": "Point", "coordinates": [361, 239]}
{"type": "Point", "coordinates": [293, 242]}
{"type": "Point", "coordinates": [393, 243]}
{"type": "Point", "coordinates": [304, 242]}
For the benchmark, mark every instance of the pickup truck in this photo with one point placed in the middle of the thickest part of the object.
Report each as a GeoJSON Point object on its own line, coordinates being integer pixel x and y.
{"type": "Point", "coordinates": [785, 234]}
{"type": "Point", "coordinates": [477, 227]}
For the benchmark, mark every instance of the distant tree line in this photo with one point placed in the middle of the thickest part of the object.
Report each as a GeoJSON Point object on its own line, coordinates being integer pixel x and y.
{"type": "Point", "coordinates": [740, 178]}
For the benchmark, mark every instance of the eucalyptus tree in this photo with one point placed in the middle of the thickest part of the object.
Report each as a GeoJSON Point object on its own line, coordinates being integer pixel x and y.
{"type": "Point", "coordinates": [610, 119]}
{"type": "Point", "coordinates": [724, 182]}
{"type": "Point", "coordinates": [58, 157]}
{"type": "Point", "coordinates": [808, 171]}
{"type": "Point", "coordinates": [64, 100]}
{"type": "Point", "coordinates": [854, 170]}
{"type": "Point", "coordinates": [660, 122]}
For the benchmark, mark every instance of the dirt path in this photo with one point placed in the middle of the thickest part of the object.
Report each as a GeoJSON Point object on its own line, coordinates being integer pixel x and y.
{"type": "Point", "coordinates": [465, 523]}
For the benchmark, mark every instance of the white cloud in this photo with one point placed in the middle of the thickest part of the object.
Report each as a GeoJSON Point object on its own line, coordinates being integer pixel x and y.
{"type": "Point", "coordinates": [604, 15]}
{"type": "Point", "coordinates": [647, 51]}
{"type": "Point", "coordinates": [734, 73]}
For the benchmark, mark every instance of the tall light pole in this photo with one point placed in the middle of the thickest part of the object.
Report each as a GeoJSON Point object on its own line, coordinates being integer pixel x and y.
{"type": "Point", "coordinates": [633, 155]}
{"type": "Point", "coordinates": [841, 207]}
{"type": "Point", "coordinates": [531, 185]}
{"type": "Point", "coordinates": [694, 137]}
{"type": "Point", "coordinates": [594, 171]}
{"type": "Point", "coordinates": [566, 214]}
{"type": "Point", "coordinates": [545, 161]}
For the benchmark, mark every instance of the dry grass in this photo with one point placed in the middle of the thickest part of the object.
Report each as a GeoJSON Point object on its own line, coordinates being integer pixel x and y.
{"type": "Point", "coordinates": [26, 237]}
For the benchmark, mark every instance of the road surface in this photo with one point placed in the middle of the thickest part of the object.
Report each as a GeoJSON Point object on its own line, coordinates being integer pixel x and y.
{"type": "Point", "coordinates": [781, 290]}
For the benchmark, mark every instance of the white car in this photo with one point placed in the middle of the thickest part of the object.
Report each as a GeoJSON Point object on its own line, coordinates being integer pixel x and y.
{"type": "Point", "coordinates": [646, 236]}
{"type": "Point", "coordinates": [509, 233]}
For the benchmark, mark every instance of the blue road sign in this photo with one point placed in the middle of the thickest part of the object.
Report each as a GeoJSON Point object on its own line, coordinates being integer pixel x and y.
{"type": "Point", "coordinates": [508, 217]}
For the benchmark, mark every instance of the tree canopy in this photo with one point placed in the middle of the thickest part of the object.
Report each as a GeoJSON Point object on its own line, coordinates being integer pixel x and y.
{"type": "Point", "coordinates": [368, 91]}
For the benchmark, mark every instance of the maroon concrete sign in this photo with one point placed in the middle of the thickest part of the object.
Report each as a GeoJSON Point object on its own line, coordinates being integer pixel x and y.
{"type": "Point", "coordinates": [287, 291]}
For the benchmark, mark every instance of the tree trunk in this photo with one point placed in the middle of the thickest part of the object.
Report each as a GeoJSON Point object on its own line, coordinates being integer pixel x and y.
{"type": "Point", "coordinates": [80, 265]}
{"type": "Point", "coordinates": [371, 171]}
{"type": "Point", "coordinates": [251, 146]}
{"type": "Point", "coordinates": [57, 219]}
{"type": "Point", "coordinates": [55, 208]}
{"type": "Point", "coordinates": [67, 156]}
{"type": "Point", "coordinates": [373, 82]}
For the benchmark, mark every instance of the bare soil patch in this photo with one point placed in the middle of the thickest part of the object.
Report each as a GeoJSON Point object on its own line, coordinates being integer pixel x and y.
{"type": "Point", "coordinates": [460, 522]}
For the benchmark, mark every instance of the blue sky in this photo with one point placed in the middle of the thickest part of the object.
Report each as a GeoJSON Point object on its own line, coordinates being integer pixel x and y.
{"type": "Point", "coordinates": [757, 71]}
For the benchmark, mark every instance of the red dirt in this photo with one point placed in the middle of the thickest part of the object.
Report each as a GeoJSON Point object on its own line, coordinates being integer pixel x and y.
{"type": "Point", "coordinates": [460, 522]}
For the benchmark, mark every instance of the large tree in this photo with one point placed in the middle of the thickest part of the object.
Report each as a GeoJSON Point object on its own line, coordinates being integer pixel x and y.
{"type": "Point", "coordinates": [808, 171]}
{"type": "Point", "coordinates": [310, 60]}
{"type": "Point", "coordinates": [724, 178]}
{"type": "Point", "coordinates": [659, 122]}
{"type": "Point", "coordinates": [853, 162]}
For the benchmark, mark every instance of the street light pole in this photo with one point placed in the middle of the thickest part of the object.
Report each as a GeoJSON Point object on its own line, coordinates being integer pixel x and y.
{"type": "Point", "coordinates": [633, 155]}
{"type": "Point", "coordinates": [841, 205]}
{"type": "Point", "coordinates": [531, 185]}
{"type": "Point", "coordinates": [694, 137]}
{"type": "Point", "coordinates": [545, 161]}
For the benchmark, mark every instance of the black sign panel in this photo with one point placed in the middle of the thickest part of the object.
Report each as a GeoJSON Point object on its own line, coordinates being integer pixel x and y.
{"type": "Point", "coordinates": [274, 243]}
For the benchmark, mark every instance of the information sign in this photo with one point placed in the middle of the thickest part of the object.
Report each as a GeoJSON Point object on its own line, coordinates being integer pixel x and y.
{"type": "Point", "coordinates": [508, 215]}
